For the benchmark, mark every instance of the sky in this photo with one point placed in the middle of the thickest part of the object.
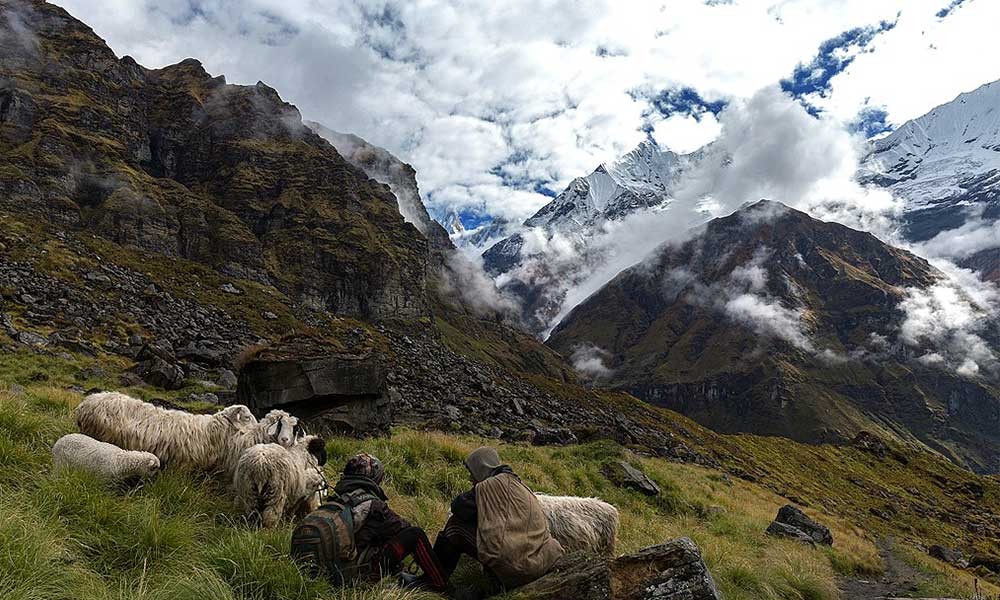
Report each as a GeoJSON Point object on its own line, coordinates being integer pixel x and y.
{"type": "Point", "coordinates": [499, 105]}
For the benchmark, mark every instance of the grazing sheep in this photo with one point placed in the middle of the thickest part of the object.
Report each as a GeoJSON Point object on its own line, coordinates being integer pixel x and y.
{"type": "Point", "coordinates": [585, 524]}
{"type": "Point", "coordinates": [179, 439]}
{"type": "Point", "coordinates": [272, 481]}
{"type": "Point", "coordinates": [107, 461]}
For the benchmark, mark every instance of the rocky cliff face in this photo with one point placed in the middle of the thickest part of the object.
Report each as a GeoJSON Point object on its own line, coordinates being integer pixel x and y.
{"type": "Point", "coordinates": [178, 162]}
{"type": "Point", "coordinates": [772, 322]}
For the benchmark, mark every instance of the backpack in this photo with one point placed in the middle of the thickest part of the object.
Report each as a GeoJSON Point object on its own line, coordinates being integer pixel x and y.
{"type": "Point", "coordinates": [323, 542]}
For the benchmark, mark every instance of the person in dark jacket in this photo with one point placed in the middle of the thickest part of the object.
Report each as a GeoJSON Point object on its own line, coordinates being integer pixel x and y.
{"type": "Point", "coordinates": [382, 538]}
{"type": "Point", "coordinates": [500, 523]}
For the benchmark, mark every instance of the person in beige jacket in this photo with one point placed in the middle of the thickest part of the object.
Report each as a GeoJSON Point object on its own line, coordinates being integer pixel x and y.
{"type": "Point", "coordinates": [500, 523]}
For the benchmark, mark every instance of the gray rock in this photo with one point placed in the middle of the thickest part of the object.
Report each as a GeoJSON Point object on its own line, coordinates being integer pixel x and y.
{"type": "Point", "coordinates": [790, 515]}
{"type": "Point", "coordinates": [95, 277]}
{"type": "Point", "coordinates": [32, 339]}
{"type": "Point", "coordinates": [17, 390]}
{"type": "Point", "coordinates": [230, 289]}
{"type": "Point", "coordinates": [227, 380]}
{"type": "Point", "coordinates": [452, 412]}
{"type": "Point", "coordinates": [207, 398]}
{"type": "Point", "coordinates": [787, 531]}
{"type": "Point", "coordinates": [158, 372]}
{"type": "Point", "coordinates": [624, 475]}
{"type": "Point", "coordinates": [671, 571]}
{"type": "Point", "coordinates": [952, 556]}
{"type": "Point", "coordinates": [270, 316]}
{"type": "Point", "coordinates": [333, 393]}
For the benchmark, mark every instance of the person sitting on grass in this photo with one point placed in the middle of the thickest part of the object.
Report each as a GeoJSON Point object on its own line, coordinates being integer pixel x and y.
{"type": "Point", "coordinates": [500, 523]}
{"type": "Point", "coordinates": [381, 538]}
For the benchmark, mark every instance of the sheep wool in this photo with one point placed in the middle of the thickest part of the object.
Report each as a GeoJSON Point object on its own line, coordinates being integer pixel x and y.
{"type": "Point", "coordinates": [582, 524]}
{"type": "Point", "coordinates": [107, 461]}
{"type": "Point", "coordinates": [271, 481]}
{"type": "Point", "coordinates": [179, 439]}
{"type": "Point", "coordinates": [277, 427]}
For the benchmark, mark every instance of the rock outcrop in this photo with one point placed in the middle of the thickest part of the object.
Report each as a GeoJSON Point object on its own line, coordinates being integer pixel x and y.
{"type": "Point", "coordinates": [331, 391]}
{"type": "Point", "coordinates": [792, 522]}
{"type": "Point", "coordinates": [671, 571]}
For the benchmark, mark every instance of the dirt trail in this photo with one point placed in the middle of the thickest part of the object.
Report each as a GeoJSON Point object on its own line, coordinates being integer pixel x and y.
{"type": "Point", "coordinates": [899, 578]}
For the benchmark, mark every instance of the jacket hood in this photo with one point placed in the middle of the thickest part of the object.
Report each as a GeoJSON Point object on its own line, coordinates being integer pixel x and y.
{"type": "Point", "coordinates": [482, 463]}
{"type": "Point", "coordinates": [350, 483]}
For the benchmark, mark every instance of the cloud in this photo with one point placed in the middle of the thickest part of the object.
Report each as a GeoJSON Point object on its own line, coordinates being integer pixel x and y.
{"type": "Point", "coordinates": [590, 360]}
{"type": "Point", "coordinates": [769, 147]}
{"type": "Point", "coordinates": [463, 278]}
{"type": "Point", "coordinates": [972, 236]}
{"type": "Point", "coordinates": [491, 102]}
{"type": "Point", "coordinates": [768, 317]}
{"type": "Point", "coordinates": [945, 324]}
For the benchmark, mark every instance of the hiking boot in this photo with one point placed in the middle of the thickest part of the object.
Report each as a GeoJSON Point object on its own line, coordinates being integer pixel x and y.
{"type": "Point", "coordinates": [409, 581]}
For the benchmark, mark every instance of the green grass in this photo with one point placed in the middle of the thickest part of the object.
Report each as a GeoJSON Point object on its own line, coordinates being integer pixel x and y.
{"type": "Point", "coordinates": [68, 536]}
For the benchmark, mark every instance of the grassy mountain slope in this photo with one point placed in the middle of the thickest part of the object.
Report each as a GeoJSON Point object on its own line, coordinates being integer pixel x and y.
{"type": "Point", "coordinates": [66, 536]}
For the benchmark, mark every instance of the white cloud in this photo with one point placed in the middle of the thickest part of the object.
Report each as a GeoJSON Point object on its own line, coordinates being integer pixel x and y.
{"type": "Point", "coordinates": [685, 133]}
{"type": "Point", "coordinates": [923, 62]}
{"type": "Point", "coordinates": [459, 89]}
{"type": "Point", "coordinates": [590, 361]}
{"type": "Point", "coordinates": [944, 324]}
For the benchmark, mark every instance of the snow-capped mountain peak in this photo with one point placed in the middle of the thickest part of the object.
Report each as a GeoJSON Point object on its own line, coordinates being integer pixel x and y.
{"type": "Point", "coordinates": [942, 163]}
{"type": "Point", "coordinates": [642, 178]}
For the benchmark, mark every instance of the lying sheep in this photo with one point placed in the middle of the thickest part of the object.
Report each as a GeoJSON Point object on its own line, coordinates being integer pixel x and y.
{"type": "Point", "coordinates": [585, 524]}
{"type": "Point", "coordinates": [179, 439]}
{"type": "Point", "coordinates": [271, 481]}
{"type": "Point", "coordinates": [107, 461]}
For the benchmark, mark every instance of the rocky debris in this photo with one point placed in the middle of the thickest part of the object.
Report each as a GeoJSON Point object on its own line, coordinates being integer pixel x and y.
{"type": "Point", "coordinates": [32, 339]}
{"type": "Point", "coordinates": [155, 365]}
{"type": "Point", "coordinates": [270, 316]}
{"type": "Point", "coordinates": [952, 556]}
{"type": "Point", "coordinates": [425, 376]}
{"type": "Point", "coordinates": [333, 392]}
{"type": "Point", "coordinates": [227, 380]}
{"type": "Point", "coordinates": [791, 517]}
{"type": "Point", "coordinates": [985, 561]}
{"type": "Point", "coordinates": [624, 475]}
{"type": "Point", "coordinates": [230, 289]}
{"type": "Point", "coordinates": [787, 531]}
{"type": "Point", "coordinates": [541, 435]}
{"type": "Point", "coordinates": [870, 444]}
{"type": "Point", "coordinates": [671, 571]}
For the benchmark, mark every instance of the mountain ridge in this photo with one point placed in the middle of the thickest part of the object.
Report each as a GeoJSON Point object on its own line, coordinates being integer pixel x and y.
{"type": "Point", "coordinates": [769, 321]}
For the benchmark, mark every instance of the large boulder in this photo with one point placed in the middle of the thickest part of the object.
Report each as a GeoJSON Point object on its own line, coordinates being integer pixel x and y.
{"type": "Point", "coordinates": [671, 571]}
{"type": "Point", "coordinates": [333, 392]}
{"type": "Point", "coordinates": [952, 556]}
{"type": "Point", "coordinates": [795, 518]}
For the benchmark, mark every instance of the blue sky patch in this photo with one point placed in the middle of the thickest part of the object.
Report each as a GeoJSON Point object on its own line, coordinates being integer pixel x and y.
{"type": "Point", "coordinates": [944, 12]}
{"type": "Point", "coordinates": [834, 55]}
{"type": "Point", "coordinates": [871, 121]}
{"type": "Point", "coordinates": [685, 101]}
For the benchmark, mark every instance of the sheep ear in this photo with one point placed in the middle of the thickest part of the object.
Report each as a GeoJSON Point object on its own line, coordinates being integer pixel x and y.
{"type": "Point", "coordinates": [273, 429]}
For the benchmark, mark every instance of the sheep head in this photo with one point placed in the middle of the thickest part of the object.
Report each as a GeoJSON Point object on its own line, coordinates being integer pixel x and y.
{"type": "Point", "coordinates": [282, 428]}
{"type": "Point", "coordinates": [238, 415]}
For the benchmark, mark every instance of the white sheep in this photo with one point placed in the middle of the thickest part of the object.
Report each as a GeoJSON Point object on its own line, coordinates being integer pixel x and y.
{"type": "Point", "coordinates": [277, 427]}
{"type": "Point", "coordinates": [107, 461]}
{"type": "Point", "coordinates": [271, 481]}
{"type": "Point", "coordinates": [179, 439]}
{"type": "Point", "coordinates": [584, 524]}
